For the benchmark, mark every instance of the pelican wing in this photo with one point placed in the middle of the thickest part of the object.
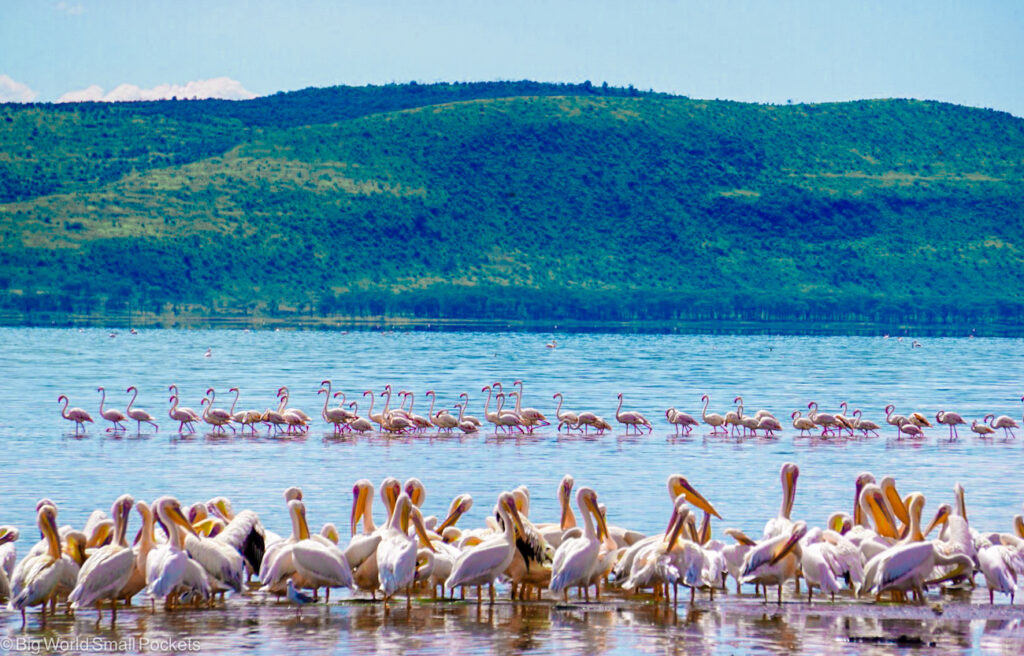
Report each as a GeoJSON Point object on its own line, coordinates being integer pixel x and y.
{"type": "Point", "coordinates": [220, 561]}
{"type": "Point", "coordinates": [361, 547]}
{"type": "Point", "coordinates": [904, 562]}
{"type": "Point", "coordinates": [278, 566]}
{"type": "Point", "coordinates": [320, 562]}
{"type": "Point", "coordinates": [165, 568]}
{"type": "Point", "coordinates": [572, 564]}
{"type": "Point", "coordinates": [103, 575]}
{"type": "Point", "coordinates": [481, 563]}
{"type": "Point", "coordinates": [396, 562]}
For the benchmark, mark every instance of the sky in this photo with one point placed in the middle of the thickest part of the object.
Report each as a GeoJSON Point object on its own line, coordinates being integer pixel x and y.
{"type": "Point", "coordinates": [969, 53]}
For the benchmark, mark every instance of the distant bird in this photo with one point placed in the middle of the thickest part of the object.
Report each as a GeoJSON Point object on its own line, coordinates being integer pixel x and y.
{"type": "Point", "coordinates": [951, 419]}
{"type": "Point", "coordinates": [552, 344]}
{"type": "Point", "coordinates": [138, 414]}
{"type": "Point", "coordinates": [209, 353]}
{"type": "Point", "coordinates": [982, 429]}
{"type": "Point", "coordinates": [915, 344]}
{"type": "Point", "coordinates": [76, 415]}
{"type": "Point", "coordinates": [298, 598]}
{"type": "Point", "coordinates": [1004, 422]}
{"type": "Point", "coordinates": [111, 414]}
{"type": "Point", "coordinates": [630, 418]}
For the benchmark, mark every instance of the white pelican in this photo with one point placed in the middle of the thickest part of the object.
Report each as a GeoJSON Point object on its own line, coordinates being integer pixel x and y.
{"type": "Point", "coordinates": [816, 564]}
{"type": "Point", "coordinates": [735, 554]}
{"type": "Point", "coordinates": [8, 550]}
{"type": "Point", "coordinates": [108, 569]}
{"type": "Point", "coordinates": [1001, 564]}
{"type": "Point", "coordinates": [145, 543]}
{"type": "Point", "coordinates": [311, 561]}
{"type": "Point", "coordinates": [772, 561]}
{"type": "Point", "coordinates": [909, 567]}
{"type": "Point", "coordinates": [40, 578]}
{"type": "Point", "coordinates": [244, 531]}
{"type": "Point", "coordinates": [782, 524]}
{"type": "Point", "coordinates": [169, 570]}
{"type": "Point", "coordinates": [361, 552]}
{"type": "Point", "coordinates": [488, 559]}
{"type": "Point", "coordinates": [576, 557]}
{"type": "Point", "coordinates": [397, 552]}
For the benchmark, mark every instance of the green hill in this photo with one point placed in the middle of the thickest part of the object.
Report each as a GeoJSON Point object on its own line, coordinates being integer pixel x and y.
{"type": "Point", "coordinates": [513, 201]}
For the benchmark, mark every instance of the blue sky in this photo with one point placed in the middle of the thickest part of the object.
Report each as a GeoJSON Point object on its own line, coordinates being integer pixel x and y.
{"type": "Point", "coordinates": [968, 53]}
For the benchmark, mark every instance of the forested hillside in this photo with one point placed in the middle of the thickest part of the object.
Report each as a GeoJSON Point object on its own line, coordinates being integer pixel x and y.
{"type": "Point", "coordinates": [513, 200]}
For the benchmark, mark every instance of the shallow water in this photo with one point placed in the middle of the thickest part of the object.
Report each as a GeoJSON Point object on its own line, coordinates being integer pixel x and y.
{"type": "Point", "coordinates": [42, 456]}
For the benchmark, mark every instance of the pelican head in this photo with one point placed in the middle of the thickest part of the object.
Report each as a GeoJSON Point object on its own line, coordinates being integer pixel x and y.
{"type": "Point", "coordinates": [292, 493]}
{"type": "Point", "coordinates": [417, 493]}
{"type": "Point", "coordinates": [197, 512]}
{"type": "Point", "coordinates": [888, 485]}
{"type": "Point", "coordinates": [300, 528]}
{"type": "Point", "coordinates": [330, 531]}
{"type": "Point", "coordinates": [221, 507]}
{"type": "Point", "coordinates": [507, 503]}
{"type": "Point", "coordinates": [361, 493]}
{"type": "Point", "coordinates": [942, 514]}
{"type": "Point", "coordinates": [8, 534]}
{"type": "Point", "coordinates": [586, 498]}
{"type": "Point", "coordinates": [839, 522]}
{"type": "Point", "coordinates": [460, 506]}
{"type": "Point", "coordinates": [421, 530]}
{"type": "Point", "coordinates": [678, 485]}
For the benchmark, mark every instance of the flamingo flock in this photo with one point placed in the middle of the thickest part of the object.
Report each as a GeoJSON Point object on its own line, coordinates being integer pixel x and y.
{"type": "Point", "coordinates": [510, 417]}
{"type": "Point", "coordinates": [196, 555]}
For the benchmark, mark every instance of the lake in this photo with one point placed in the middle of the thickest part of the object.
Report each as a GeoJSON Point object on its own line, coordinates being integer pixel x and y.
{"type": "Point", "coordinates": [43, 457]}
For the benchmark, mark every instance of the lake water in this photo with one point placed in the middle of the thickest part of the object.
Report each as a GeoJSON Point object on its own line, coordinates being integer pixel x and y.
{"type": "Point", "coordinates": [42, 457]}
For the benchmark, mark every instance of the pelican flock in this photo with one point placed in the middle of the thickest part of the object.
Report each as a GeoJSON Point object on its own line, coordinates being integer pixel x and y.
{"type": "Point", "coordinates": [509, 417]}
{"type": "Point", "coordinates": [879, 549]}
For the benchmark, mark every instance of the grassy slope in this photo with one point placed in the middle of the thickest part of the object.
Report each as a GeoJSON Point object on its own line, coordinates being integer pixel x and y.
{"type": "Point", "coordinates": [613, 207]}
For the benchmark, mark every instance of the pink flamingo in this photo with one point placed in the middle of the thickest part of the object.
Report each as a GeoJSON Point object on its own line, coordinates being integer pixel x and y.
{"type": "Point", "coordinates": [1004, 422]}
{"type": "Point", "coordinates": [110, 414]}
{"type": "Point", "coordinates": [531, 417]}
{"type": "Point", "coordinates": [76, 415]}
{"type": "Point", "coordinates": [951, 419]}
{"type": "Point", "coordinates": [470, 418]}
{"type": "Point", "coordinates": [681, 420]}
{"type": "Point", "coordinates": [216, 417]}
{"type": "Point", "coordinates": [138, 414]}
{"type": "Point", "coordinates": [631, 418]}
{"type": "Point", "coordinates": [714, 419]}
{"type": "Point", "coordinates": [173, 389]}
{"type": "Point", "coordinates": [336, 416]}
{"type": "Point", "coordinates": [182, 415]}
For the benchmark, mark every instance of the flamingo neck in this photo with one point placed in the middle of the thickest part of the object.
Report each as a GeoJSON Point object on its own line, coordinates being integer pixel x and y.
{"type": "Point", "coordinates": [130, 403]}
{"type": "Point", "coordinates": [519, 398]}
{"type": "Point", "coordinates": [238, 393]}
{"type": "Point", "coordinates": [704, 412]}
{"type": "Point", "coordinates": [618, 409]}
{"type": "Point", "coordinates": [433, 398]}
{"type": "Point", "coordinates": [103, 397]}
{"type": "Point", "coordinates": [558, 410]}
{"type": "Point", "coordinates": [64, 410]}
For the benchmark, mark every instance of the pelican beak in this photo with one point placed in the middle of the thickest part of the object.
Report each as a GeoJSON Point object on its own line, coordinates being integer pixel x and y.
{"type": "Point", "coordinates": [602, 525]}
{"type": "Point", "coordinates": [332, 534]}
{"type": "Point", "coordinates": [6, 535]}
{"type": "Point", "coordinates": [205, 526]}
{"type": "Point", "coordinates": [1018, 524]}
{"type": "Point", "coordinates": [220, 507]}
{"type": "Point", "coordinates": [101, 535]}
{"type": "Point", "coordinates": [359, 494]}
{"type": "Point", "coordinates": [677, 528]}
{"type": "Point", "coordinates": [941, 517]}
{"type": "Point", "coordinates": [884, 521]}
{"type": "Point", "coordinates": [895, 502]}
{"type": "Point", "coordinates": [403, 519]}
{"type": "Point", "coordinates": [179, 518]}
{"type": "Point", "coordinates": [459, 508]}
{"type": "Point", "coordinates": [693, 497]}
{"type": "Point", "coordinates": [836, 524]}
{"type": "Point", "coordinates": [513, 511]}
{"type": "Point", "coordinates": [421, 530]}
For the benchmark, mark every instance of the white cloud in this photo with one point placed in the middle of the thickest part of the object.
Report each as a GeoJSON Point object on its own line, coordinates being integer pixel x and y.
{"type": "Point", "coordinates": [218, 87]}
{"type": "Point", "coordinates": [70, 9]}
{"type": "Point", "coordinates": [13, 91]}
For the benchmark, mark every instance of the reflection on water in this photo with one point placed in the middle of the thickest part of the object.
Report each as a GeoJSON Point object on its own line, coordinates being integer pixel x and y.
{"type": "Point", "coordinates": [729, 625]}
{"type": "Point", "coordinates": [40, 456]}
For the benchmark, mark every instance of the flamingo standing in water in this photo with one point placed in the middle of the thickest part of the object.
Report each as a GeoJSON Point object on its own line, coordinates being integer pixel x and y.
{"type": "Point", "coordinates": [182, 415]}
{"type": "Point", "coordinates": [714, 419]}
{"type": "Point", "coordinates": [76, 415]}
{"type": "Point", "coordinates": [680, 420]}
{"type": "Point", "coordinates": [1004, 422]}
{"type": "Point", "coordinates": [111, 414]}
{"type": "Point", "coordinates": [631, 418]}
{"type": "Point", "coordinates": [951, 419]}
{"type": "Point", "coordinates": [138, 414]}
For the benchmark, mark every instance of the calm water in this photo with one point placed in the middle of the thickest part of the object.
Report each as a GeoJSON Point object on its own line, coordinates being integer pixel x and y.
{"type": "Point", "coordinates": [41, 456]}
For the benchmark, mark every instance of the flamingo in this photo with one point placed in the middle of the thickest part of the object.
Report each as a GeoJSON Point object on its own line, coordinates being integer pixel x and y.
{"type": "Point", "coordinates": [769, 425]}
{"type": "Point", "coordinates": [825, 420]}
{"type": "Point", "coordinates": [173, 389]}
{"type": "Point", "coordinates": [181, 415]}
{"type": "Point", "coordinates": [732, 418]}
{"type": "Point", "coordinates": [76, 415]}
{"type": "Point", "coordinates": [284, 394]}
{"type": "Point", "coordinates": [336, 416]}
{"type": "Point", "coordinates": [951, 419]}
{"type": "Point", "coordinates": [714, 420]}
{"type": "Point", "coordinates": [911, 429]}
{"type": "Point", "coordinates": [138, 414]}
{"type": "Point", "coordinates": [491, 417]}
{"type": "Point", "coordinates": [465, 425]}
{"type": "Point", "coordinates": [359, 424]}
{"type": "Point", "coordinates": [216, 417]}
{"type": "Point", "coordinates": [108, 569]}
{"type": "Point", "coordinates": [801, 422]}
{"type": "Point", "coordinates": [1004, 422]}
{"type": "Point", "coordinates": [443, 420]}
{"type": "Point", "coordinates": [631, 418]}
{"type": "Point", "coordinates": [111, 414]}
{"type": "Point", "coordinates": [569, 419]}
{"type": "Point", "coordinates": [418, 422]}
{"type": "Point", "coordinates": [983, 430]}
{"type": "Point", "coordinates": [375, 418]}
{"type": "Point", "coordinates": [531, 417]}
{"type": "Point", "coordinates": [893, 419]}
{"type": "Point", "coordinates": [506, 419]}
{"type": "Point", "coordinates": [244, 417]}
{"type": "Point", "coordinates": [681, 420]}
{"type": "Point", "coordinates": [465, 404]}
{"type": "Point", "coordinates": [865, 425]}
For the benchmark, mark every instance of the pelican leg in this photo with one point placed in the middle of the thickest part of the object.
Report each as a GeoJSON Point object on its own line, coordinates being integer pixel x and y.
{"type": "Point", "coordinates": [113, 612]}
{"type": "Point", "coordinates": [492, 593]}
{"type": "Point", "coordinates": [780, 593]}
{"type": "Point", "coordinates": [693, 594]}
